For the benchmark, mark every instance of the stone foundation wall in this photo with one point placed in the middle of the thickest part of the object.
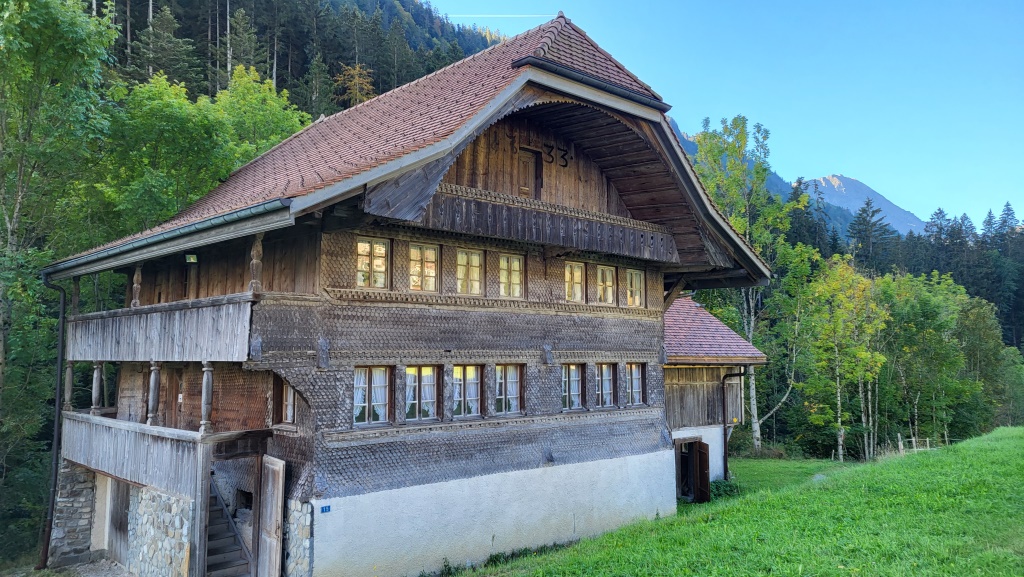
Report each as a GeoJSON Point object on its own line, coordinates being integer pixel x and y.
{"type": "Point", "coordinates": [298, 542]}
{"type": "Point", "coordinates": [72, 515]}
{"type": "Point", "coordinates": [159, 527]}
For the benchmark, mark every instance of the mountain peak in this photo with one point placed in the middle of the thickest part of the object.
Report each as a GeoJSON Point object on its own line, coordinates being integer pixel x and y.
{"type": "Point", "coordinates": [850, 193]}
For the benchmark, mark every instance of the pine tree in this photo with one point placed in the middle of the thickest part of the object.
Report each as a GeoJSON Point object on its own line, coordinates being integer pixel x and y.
{"type": "Point", "coordinates": [355, 84]}
{"type": "Point", "coordinates": [314, 92]}
{"type": "Point", "coordinates": [158, 50]}
{"type": "Point", "coordinates": [870, 237]}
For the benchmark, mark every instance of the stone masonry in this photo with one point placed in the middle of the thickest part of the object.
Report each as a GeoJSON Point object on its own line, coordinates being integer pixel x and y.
{"type": "Point", "coordinates": [72, 515]}
{"type": "Point", "coordinates": [298, 542]}
{"type": "Point", "coordinates": [159, 528]}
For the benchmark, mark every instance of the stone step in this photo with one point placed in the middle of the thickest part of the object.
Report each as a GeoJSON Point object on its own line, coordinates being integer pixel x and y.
{"type": "Point", "coordinates": [230, 568]}
{"type": "Point", "coordinates": [222, 554]}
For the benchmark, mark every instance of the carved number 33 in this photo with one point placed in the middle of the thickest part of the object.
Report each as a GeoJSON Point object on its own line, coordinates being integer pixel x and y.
{"type": "Point", "coordinates": [563, 155]}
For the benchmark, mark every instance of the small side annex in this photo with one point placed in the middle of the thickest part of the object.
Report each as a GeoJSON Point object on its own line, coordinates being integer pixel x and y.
{"type": "Point", "coordinates": [707, 364]}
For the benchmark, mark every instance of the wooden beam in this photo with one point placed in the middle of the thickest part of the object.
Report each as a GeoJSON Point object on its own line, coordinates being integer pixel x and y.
{"type": "Point", "coordinates": [154, 394]}
{"type": "Point", "coordinates": [256, 264]}
{"type": "Point", "coordinates": [205, 424]}
{"type": "Point", "coordinates": [97, 380]}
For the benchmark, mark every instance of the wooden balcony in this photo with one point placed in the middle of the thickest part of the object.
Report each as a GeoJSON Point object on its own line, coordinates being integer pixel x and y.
{"type": "Point", "coordinates": [210, 329]}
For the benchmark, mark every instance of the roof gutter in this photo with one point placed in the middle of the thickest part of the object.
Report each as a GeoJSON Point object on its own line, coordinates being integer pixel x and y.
{"type": "Point", "coordinates": [72, 266]}
{"type": "Point", "coordinates": [555, 68]}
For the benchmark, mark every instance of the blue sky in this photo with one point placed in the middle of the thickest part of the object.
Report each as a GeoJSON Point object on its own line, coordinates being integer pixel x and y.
{"type": "Point", "coordinates": [921, 100]}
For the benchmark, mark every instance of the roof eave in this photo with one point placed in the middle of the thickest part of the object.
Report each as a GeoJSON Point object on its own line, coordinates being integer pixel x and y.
{"type": "Point", "coordinates": [711, 361]}
{"type": "Point", "coordinates": [583, 78]}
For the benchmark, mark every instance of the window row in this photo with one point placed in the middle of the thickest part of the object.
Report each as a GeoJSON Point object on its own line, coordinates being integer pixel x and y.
{"type": "Point", "coordinates": [372, 397]}
{"type": "Point", "coordinates": [373, 270]}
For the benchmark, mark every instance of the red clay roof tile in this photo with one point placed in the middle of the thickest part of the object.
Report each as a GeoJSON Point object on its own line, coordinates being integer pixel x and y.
{"type": "Point", "coordinates": [396, 123]}
{"type": "Point", "coordinates": [692, 332]}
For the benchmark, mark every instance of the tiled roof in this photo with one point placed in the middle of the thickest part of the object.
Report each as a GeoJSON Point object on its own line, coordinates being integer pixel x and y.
{"type": "Point", "coordinates": [398, 122]}
{"type": "Point", "coordinates": [692, 334]}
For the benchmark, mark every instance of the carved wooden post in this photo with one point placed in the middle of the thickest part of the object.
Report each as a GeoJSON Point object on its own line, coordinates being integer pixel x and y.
{"type": "Point", "coordinates": [69, 378]}
{"type": "Point", "coordinates": [76, 294]}
{"type": "Point", "coordinates": [206, 425]}
{"type": "Point", "coordinates": [256, 264]}
{"type": "Point", "coordinates": [97, 383]}
{"type": "Point", "coordinates": [152, 418]}
{"type": "Point", "coordinates": [136, 285]}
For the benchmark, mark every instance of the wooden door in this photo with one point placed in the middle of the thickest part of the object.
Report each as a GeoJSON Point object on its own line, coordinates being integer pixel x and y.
{"type": "Point", "coordinates": [702, 474]}
{"type": "Point", "coordinates": [527, 174]}
{"type": "Point", "coordinates": [268, 562]}
{"type": "Point", "coordinates": [120, 502]}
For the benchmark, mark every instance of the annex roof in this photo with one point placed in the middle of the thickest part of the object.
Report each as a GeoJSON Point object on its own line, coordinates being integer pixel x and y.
{"type": "Point", "coordinates": [695, 336]}
{"type": "Point", "coordinates": [413, 124]}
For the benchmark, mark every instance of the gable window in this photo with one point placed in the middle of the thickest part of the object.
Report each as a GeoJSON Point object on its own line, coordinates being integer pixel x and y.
{"type": "Point", "coordinates": [574, 282]}
{"type": "Point", "coordinates": [605, 385]}
{"type": "Point", "coordinates": [510, 276]}
{"type": "Point", "coordinates": [466, 381]}
{"type": "Point", "coordinates": [420, 393]}
{"type": "Point", "coordinates": [572, 387]}
{"type": "Point", "coordinates": [634, 288]}
{"type": "Point", "coordinates": [372, 270]}
{"type": "Point", "coordinates": [606, 285]}
{"type": "Point", "coordinates": [284, 400]}
{"type": "Point", "coordinates": [508, 394]}
{"type": "Point", "coordinates": [372, 391]}
{"type": "Point", "coordinates": [635, 384]}
{"type": "Point", "coordinates": [469, 267]}
{"type": "Point", "coordinates": [423, 267]}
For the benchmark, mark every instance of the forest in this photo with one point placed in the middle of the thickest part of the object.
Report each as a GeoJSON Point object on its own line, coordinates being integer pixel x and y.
{"type": "Point", "coordinates": [114, 116]}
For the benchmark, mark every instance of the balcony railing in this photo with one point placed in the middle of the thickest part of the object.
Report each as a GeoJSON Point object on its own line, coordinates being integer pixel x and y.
{"type": "Point", "coordinates": [210, 329]}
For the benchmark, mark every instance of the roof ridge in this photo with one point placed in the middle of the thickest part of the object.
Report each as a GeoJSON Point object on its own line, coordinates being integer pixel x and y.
{"type": "Point", "coordinates": [550, 35]}
{"type": "Point", "coordinates": [607, 55]}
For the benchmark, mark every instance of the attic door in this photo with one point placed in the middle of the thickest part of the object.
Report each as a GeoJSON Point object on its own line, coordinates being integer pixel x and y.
{"type": "Point", "coordinates": [528, 173]}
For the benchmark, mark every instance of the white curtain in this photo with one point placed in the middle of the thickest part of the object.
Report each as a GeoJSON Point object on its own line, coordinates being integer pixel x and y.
{"type": "Point", "coordinates": [360, 394]}
{"type": "Point", "coordinates": [428, 394]}
{"type": "Point", "coordinates": [380, 395]}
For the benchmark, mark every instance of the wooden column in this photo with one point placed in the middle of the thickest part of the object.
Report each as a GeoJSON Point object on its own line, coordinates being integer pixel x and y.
{"type": "Point", "coordinates": [69, 379]}
{"type": "Point", "coordinates": [256, 264]}
{"type": "Point", "coordinates": [206, 425]}
{"type": "Point", "coordinates": [152, 418]}
{"type": "Point", "coordinates": [97, 383]}
{"type": "Point", "coordinates": [136, 285]}
{"type": "Point", "coordinates": [76, 294]}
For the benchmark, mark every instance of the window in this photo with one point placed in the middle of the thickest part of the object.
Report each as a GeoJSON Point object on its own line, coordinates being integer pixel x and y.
{"type": "Point", "coordinates": [420, 393]}
{"type": "Point", "coordinates": [423, 267]}
{"type": "Point", "coordinates": [372, 392]}
{"type": "Point", "coordinates": [634, 383]}
{"type": "Point", "coordinates": [284, 402]}
{"type": "Point", "coordinates": [508, 390]}
{"type": "Point", "coordinates": [574, 282]}
{"type": "Point", "coordinates": [467, 390]}
{"type": "Point", "coordinates": [469, 266]}
{"type": "Point", "coordinates": [606, 285]}
{"type": "Point", "coordinates": [372, 263]}
{"type": "Point", "coordinates": [635, 288]}
{"type": "Point", "coordinates": [605, 385]}
{"type": "Point", "coordinates": [572, 387]}
{"type": "Point", "coordinates": [510, 276]}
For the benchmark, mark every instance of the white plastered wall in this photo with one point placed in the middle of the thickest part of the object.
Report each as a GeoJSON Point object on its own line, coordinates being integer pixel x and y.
{"type": "Point", "coordinates": [406, 531]}
{"type": "Point", "coordinates": [101, 514]}
{"type": "Point", "coordinates": [712, 435]}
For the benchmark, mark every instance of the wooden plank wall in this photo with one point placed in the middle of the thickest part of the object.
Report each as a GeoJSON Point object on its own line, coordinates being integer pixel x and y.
{"type": "Point", "coordinates": [208, 333]}
{"type": "Point", "coordinates": [289, 265]}
{"type": "Point", "coordinates": [161, 458]}
{"type": "Point", "coordinates": [241, 399]}
{"type": "Point", "coordinates": [568, 177]}
{"type": "Point", "coordinates": [693, 396]}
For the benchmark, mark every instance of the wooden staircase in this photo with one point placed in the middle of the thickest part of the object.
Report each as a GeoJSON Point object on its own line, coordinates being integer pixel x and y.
{"type": "Point", "coordinates": [225, 554]}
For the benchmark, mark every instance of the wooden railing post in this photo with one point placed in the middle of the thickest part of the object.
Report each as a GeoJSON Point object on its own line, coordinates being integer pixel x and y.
{"type": "Point", "coordinates": [256, 264]}
{"type": "Point", "coordinates": [69, 379]}
{"type": "Point", "coordinates": [136, 285]}
{"type": "Point", "coordinates": [152, 417]}
{"type": "Point", "coordinates": [206, 425]}
{"type": "Point", "coordinates": [97, 384]}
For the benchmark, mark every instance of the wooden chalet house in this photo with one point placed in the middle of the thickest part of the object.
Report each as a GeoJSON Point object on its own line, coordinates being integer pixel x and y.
{"type": "Point", "coordinates": [427, 327]}
{"type": "Point", "coordinates": [706, 363]}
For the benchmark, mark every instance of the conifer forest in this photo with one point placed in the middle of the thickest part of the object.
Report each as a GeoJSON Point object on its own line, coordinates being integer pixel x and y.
{"type": "Point", "coordinates": [116, 115]}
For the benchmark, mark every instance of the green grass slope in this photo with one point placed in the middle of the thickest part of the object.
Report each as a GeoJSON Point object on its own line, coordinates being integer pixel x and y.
{"type": "Point", "coordinates": [957, 511]}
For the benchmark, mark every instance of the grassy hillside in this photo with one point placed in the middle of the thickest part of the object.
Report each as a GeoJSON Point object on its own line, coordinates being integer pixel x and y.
{"type": "Point", "coordinates": [957, 511]}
